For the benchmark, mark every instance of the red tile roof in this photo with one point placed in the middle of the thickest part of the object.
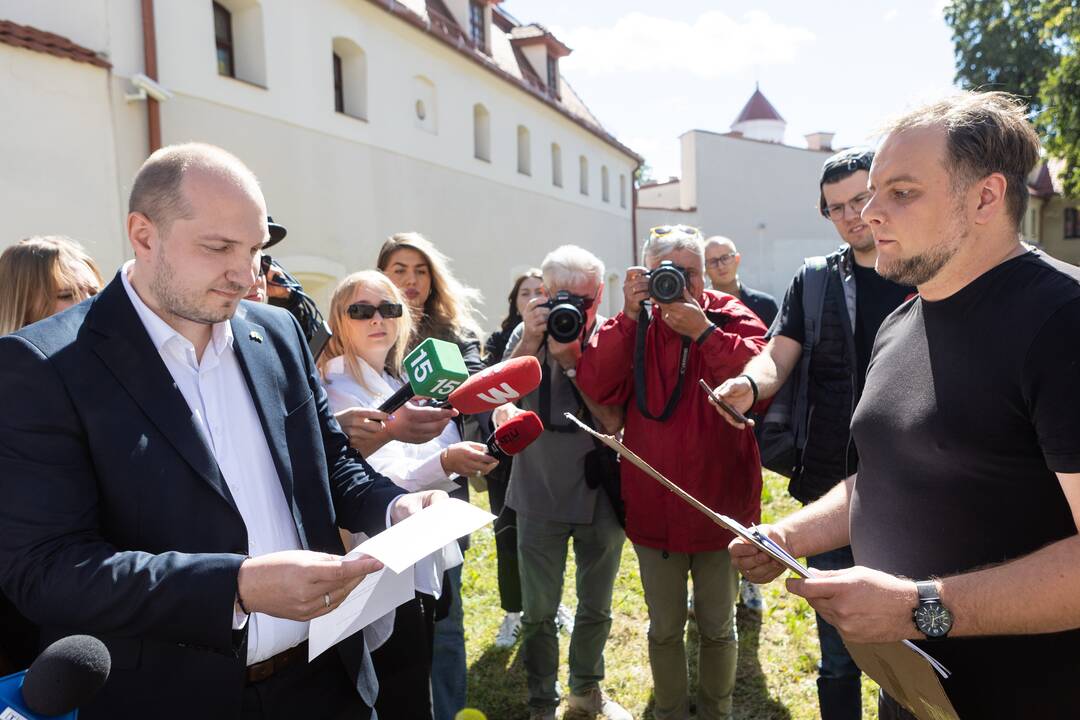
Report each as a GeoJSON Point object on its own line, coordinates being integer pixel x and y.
{"type": "Point", "coordinates": [30, 38]}
{"type": "Point", "coordinates": [758, 108]}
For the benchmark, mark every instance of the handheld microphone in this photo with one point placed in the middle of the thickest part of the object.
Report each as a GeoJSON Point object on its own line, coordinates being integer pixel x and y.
{"type": "Point", "coordinates": [499, 384]}
{"type": "Point", "coordinates": [65, 676]}
{"type": "Point", "coordinates": [514, 435]}
{"type": "Point", "coordinates": [433, 369]}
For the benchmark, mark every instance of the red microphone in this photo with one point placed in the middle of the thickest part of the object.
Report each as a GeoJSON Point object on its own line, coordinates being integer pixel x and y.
{"type": "Point", "coordinates": [505, 382]}
{"type": "Point", "coordinates": [515, 435]}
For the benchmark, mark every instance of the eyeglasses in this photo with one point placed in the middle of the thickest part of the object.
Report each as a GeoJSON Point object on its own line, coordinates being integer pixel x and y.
{"type": "Point", "coordinates": [857, 203]}
{"type": "Point", "coordinates": [366, 311]}
{"type": "Point", "coordinates": [662, 230]}
{"type": "Point", "coordinates": [722, 260]}
{"type": "Point", "coordinates": [265, 263]}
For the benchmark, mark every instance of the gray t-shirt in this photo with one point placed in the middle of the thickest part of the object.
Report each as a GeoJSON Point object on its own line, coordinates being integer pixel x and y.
{"type": "Point", "coordinates": [547, 479]}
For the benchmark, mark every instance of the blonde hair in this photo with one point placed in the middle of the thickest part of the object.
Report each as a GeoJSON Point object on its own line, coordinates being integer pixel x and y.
{"type": "Point", "coordinates": [34, 271]}
{"type": "Point", "coordinates": [344, 340]}
{"type": "Point", "coordinates": [450, 309]}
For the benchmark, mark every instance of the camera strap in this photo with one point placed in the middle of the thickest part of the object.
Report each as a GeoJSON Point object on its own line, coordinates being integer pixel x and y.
{"type": "Point", "coordinates": [640, 391]}
{"type": "Point", "coordinates": [582, 412]}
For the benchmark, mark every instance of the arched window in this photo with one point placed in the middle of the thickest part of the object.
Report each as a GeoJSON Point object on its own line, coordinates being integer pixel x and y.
{"type": "Point", "coordinates": [481, 133]}
{"type": "Point", "coordinates": [556, 165]}
{"type": "Point", "coordinates": [524, 151]}
{"type": "Point", "coordinates": [350, 78]}
{"type": "Point", "coordinates": [605, 184]}
{"type": "Point", "coordinates": [622, 191]}
{"type": "Point", "coordinates": [240, 45]}
{"type": "Point", "coordinates": [583, 171]}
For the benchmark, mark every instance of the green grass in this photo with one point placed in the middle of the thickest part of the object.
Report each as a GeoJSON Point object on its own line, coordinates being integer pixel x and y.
{"type": "Point", "coordinates": [778, 653]}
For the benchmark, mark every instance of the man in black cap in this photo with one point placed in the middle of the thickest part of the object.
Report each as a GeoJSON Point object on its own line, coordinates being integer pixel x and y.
{"type": "Point", "coordinates": [853, 303]}
{"type": "Point", "coordinates": [259, 291]}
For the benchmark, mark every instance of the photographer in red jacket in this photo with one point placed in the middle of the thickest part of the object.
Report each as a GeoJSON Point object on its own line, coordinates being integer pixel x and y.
{"type": "Point", "coordinates": [651, 360]}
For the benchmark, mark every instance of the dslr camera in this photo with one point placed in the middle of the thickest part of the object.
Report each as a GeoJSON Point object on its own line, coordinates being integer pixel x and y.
{"type": "Point", "coordinates": [668, 282]}
{"type": "Point", "coordinates": [567, 316]}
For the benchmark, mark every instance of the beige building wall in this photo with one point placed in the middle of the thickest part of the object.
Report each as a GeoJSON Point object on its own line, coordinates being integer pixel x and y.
{"type": "Point", "coordinates": [762, 195]}
{"type": "Point", "coordinates": [1052, 225]}
{"type": "Point", "coordinates": [341, 184]}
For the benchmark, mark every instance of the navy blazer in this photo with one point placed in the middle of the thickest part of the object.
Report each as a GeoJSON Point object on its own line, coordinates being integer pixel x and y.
{"type": "Point", "coordinates": [115, 520]}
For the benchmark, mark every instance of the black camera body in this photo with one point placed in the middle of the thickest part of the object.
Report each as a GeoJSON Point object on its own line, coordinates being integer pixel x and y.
{"type": "Point", "coordinates": [668, 282]}
{"type": "Point", "coordinates": [567, 316]}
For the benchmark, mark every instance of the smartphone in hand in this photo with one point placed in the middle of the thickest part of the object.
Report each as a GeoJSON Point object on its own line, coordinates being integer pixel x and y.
{"type": "Point", "coordinates": [724, 405]}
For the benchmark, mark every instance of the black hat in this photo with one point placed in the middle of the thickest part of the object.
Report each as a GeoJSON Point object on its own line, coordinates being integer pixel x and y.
{"type": "Point", "coordinates": [277, 232]}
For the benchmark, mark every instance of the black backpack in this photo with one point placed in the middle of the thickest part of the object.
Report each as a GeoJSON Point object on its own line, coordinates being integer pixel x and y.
{"type": "Point", "coordinates": [782, 435]}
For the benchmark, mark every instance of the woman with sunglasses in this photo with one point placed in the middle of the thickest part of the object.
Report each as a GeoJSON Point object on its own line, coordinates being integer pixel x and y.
{"type": "Point", "coordinates": [361, 366]}
{"type": "Point", "coordinates": [442, 308]}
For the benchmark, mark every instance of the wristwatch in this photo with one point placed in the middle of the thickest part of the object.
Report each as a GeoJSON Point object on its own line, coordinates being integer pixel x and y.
{"type": "Point", "coordinates": [931, 617]}
{"type": "Point", "coordinates": [570, 372]}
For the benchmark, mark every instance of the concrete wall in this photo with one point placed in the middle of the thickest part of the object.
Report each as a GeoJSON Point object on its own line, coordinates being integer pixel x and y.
{"type": "Point", "coordinates": [1053, 230]}
{"type": "Point", "coordinates": [664, 195]}
{"type": "Point", "coordinates": [339, 183]}
{"type": "Point", "coordinates": [762, 195]}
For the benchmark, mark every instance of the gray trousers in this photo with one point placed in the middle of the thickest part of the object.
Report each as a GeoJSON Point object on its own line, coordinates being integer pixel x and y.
{"type": "Point", "coordinates": [542, 546]}
{"type": "Point", "coordinates": [716, 585]}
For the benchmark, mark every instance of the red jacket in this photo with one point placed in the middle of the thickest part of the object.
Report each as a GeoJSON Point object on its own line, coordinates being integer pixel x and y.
{"type": "Point", "coordinates": [695, 448]}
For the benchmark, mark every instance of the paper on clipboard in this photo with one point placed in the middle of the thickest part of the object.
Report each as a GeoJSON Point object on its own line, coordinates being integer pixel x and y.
{"type": "Point", "coordinates": [882, 657]}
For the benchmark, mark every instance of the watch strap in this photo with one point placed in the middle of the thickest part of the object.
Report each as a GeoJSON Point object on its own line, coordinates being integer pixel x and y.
{"type": "Point", "coordinates": [928, 591]}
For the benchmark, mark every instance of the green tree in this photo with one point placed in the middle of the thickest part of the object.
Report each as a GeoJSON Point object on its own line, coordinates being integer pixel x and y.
{"type": "Point", "coordinates": [1028, 48]}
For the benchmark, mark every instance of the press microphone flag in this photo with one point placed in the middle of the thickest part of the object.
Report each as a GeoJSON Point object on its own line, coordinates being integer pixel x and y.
{"type": "Point", "coordinates": [433, 369]}
{"type": "Point", "coordinates": [515, 434]}
{"type": "Point", "coordinates": [63, 678]}
{"type": "Point", "coordinates": [505, 382]}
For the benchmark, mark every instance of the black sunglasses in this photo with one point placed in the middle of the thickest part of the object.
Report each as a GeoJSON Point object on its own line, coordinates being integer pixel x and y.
{"type": "Point", "coordinates": [366, 311]}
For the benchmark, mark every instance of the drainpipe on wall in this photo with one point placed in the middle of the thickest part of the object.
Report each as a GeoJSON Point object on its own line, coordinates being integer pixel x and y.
{"type": "Point", "coordinates": [633, 213]}
{"type": "Point", "coordinates": [153, 108]}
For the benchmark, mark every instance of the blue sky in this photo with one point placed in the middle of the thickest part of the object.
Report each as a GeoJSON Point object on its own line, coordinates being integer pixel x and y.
{"type": "Point", "coordinates": [651, 71]}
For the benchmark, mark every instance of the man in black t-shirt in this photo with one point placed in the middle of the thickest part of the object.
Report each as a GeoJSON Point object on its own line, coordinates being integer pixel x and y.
{"type": "Point", "coordinates": [856, 301]}
{"type": "Point", "coordinates": [963, 518]}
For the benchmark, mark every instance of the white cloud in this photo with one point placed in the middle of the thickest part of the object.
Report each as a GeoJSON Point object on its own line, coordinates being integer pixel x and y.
{"type": "Point", "coordinates": [937, 8]}
{"type": "Point", "coordinates": [891, 15]}
{"type": "Point", "coordinates": [714, 45]}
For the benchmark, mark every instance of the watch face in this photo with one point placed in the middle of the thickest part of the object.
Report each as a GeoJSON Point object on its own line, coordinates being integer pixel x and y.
{"type": "Point", "coordinates": [933, 619]}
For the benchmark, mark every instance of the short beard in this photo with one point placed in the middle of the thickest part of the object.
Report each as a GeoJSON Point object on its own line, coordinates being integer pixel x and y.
{"type": "Point", "coordinates": [864, 243]}
{"type": "Point", "coordinates": [176, 302]}
{"type": "Point", "coordinates": [918, 270]}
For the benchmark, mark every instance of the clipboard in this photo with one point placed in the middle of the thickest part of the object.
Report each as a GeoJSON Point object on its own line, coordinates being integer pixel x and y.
{"type": "Point", "coordinates": [920, 690]}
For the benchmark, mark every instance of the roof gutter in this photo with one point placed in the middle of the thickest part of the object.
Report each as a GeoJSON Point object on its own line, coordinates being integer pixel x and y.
{"type": "Point", "coordinates": [153, 107]}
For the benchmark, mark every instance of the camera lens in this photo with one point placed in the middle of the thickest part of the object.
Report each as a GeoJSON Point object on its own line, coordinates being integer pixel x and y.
{"type": "Point", "coordinates": [564, 323]}
{"type": "Point", "coordinates": [666, 284]}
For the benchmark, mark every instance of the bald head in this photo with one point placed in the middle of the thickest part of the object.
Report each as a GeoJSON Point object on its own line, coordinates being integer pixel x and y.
{"type": "Point", "coordinates": [727, 244]}
{"type": "Point", "coordinates": [161, 194]}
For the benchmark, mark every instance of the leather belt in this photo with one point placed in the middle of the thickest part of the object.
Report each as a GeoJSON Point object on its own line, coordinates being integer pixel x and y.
{"type": "Point", "coordinates": [267, 668]}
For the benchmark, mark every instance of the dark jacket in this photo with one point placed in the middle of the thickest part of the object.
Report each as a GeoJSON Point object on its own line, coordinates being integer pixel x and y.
{"type": "Point", "coordinates": [116, 520]}
{"type": "Point", "coordinates": [763, 304]}
{"type": "Point", "coordinates": [695, 448]}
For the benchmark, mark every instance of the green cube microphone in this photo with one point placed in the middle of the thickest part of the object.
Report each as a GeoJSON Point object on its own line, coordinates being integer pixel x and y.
{"type": "Point", "coordinates": [433, 369]}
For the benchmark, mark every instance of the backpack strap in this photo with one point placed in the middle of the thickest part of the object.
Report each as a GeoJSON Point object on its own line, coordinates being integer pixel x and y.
{"type": "Point", "coordinates": [815, 280]}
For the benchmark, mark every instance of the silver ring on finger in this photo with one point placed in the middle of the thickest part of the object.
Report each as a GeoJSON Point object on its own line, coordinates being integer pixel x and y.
{"type": "Point", "coordinates": [326, 599]}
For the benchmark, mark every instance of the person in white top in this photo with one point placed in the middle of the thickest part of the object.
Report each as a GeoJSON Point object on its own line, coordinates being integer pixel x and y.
{"type": "Point", "coordinates": [361, 367]}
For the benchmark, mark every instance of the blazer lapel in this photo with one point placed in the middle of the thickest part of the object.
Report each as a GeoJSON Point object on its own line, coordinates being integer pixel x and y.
{"type": "Point", "coordinates": [131, 357]}
{"type": "Point", "coordinates": [266, 381]}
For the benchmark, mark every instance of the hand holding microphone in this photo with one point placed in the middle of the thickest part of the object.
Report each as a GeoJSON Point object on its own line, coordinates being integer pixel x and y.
{"type": "Point", "coordinates": [468, 458]}
{"type": "Point", "coordinates": [433, 369]}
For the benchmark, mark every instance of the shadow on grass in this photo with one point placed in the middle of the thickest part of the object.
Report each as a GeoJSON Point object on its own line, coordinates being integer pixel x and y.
{"type": "Point", "coordinates": [497, 684]}
{"type": "Point", "coordinates": [752, 700]}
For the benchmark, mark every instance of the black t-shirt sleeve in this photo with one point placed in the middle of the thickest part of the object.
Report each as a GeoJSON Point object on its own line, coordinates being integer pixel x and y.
{"type": "Point", "coordinates": [1052, 388]}
{"type": "Point", "coordinates": [791, 322]}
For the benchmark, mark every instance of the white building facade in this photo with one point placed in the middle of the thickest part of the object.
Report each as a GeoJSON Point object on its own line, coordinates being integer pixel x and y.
{"type": "Point", "coordinates": [747, 185]}
{"type": "Point", "coordinates": [361, 118]}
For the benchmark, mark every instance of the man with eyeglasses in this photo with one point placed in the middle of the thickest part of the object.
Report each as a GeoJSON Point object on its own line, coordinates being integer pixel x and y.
{"type": "Point", "coordinates": [722, 260]}
{"type": "Point", "coordinates": [856, 301]}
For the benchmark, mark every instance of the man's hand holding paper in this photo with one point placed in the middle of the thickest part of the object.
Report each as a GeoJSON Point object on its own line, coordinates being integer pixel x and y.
{"type": "Point", "coordinates": [866, 606]}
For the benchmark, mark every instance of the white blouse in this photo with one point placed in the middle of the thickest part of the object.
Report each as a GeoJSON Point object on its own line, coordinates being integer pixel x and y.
{"type": "Point", "coordinates": [412, 467]}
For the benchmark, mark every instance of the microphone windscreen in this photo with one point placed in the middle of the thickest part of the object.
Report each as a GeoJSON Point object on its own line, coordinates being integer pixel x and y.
{"type": "Point", "coordinates": [505, 382]}
{"type": "Point", "coordinates": [518, 432]}
{"type": "Point", "coordinates": [66, 675]}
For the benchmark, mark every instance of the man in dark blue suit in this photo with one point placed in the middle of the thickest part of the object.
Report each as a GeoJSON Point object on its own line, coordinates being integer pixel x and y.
{"type": "Point", "coordinates": [171, 479]}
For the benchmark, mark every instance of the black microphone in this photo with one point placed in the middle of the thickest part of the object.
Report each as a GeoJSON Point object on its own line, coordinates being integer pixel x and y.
{"type": "Point", "coordinates": [64, 677]}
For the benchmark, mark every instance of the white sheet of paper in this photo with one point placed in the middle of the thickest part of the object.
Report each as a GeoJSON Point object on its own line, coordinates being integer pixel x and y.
{"type": "Point", "coordinates": [378, 594]}
{"type": "Point", "coordinates": [425, 532]}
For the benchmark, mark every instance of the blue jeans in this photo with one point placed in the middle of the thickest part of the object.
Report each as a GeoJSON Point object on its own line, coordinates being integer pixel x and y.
{"type": "Point", "coordinates": [448, 671]}
{"type": "Point", "coordinates": [839, 678]}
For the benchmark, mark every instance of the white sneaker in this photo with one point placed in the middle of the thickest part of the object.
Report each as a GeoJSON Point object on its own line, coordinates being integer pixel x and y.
{"type": "Point", "coordinates": [594, 703]}
{"type": "Point", "coordinates": [564, 619]}
{"type": "Point", "coordinates": [508, 631]}
{"type": "Point", "coordinates": [751, 597]}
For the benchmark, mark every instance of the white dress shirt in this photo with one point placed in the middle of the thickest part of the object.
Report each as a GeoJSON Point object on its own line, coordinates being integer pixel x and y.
{"type": "Point", "coordinates": [410, 466]}
{"type": "Point", "coordinates": [223, 411]}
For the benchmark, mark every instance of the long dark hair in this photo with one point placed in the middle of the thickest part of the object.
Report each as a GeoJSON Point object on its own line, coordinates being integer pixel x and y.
{"type": "Point", "coordinates": [513, 317]}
